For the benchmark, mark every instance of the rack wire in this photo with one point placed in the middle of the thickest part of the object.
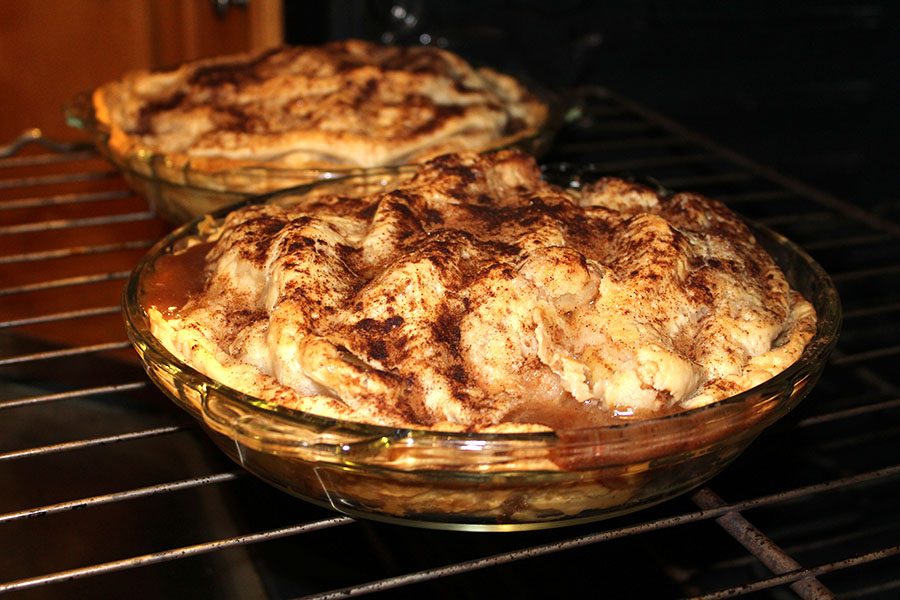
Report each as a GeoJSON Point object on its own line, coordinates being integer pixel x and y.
{"type": "Point", "coordinates": [108, 488]}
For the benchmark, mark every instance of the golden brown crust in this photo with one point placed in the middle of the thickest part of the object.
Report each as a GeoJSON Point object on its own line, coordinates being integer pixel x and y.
{"type": "Point", "coordinates": [476, 295]}
{"type": "Point", "coordinates": [345, 104]}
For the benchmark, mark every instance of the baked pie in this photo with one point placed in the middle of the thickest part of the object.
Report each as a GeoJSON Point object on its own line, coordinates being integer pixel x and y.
{"type": "Point", "coordinates": [346, 104]}
{"type": "Point", "coordinates": [478, 297]}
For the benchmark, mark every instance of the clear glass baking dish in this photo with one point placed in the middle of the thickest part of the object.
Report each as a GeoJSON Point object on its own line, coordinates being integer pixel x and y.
{"type": "Point", "coordinates": [483, 482]}
{"type": "Point", "coordinates": [178, 192]}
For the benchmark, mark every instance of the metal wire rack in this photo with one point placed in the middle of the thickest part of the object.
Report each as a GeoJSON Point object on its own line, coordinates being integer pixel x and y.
{"type": "Point", "coordinates": [108, 489]}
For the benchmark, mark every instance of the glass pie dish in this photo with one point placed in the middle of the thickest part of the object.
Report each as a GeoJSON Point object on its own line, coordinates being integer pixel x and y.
{"type": "Point", "coordinates": [178, 192]}
{"type": "Point", "coordinates": [482, 481]}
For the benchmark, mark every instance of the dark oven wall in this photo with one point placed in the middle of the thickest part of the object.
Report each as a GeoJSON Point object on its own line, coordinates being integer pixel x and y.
{"type": "Point", "coordinates": [807, 87]}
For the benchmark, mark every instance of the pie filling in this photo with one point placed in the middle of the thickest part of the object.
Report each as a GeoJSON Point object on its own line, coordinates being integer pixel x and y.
{"type": "Point", "coordinates": [477, 297]}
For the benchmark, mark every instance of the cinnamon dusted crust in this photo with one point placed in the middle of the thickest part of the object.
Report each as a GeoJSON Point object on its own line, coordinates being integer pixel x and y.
{"type": "Point", "coordinates": [478, 297]}
{"type": "Point", "coordinates": [344, 104]}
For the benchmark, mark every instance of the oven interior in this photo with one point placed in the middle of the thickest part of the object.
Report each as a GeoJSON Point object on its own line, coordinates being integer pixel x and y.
{"type": "Point", "coordinates": [109, 489]}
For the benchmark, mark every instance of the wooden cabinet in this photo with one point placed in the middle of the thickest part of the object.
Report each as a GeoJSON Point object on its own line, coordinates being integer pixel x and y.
{"type": "Point", "coordinates": [50, 50]}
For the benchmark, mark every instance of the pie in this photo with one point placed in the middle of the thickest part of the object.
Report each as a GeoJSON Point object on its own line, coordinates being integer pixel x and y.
{"type": "Point", "coordinates": [477, 297]}
{"type": "Point", "coordinates": [347, 104]}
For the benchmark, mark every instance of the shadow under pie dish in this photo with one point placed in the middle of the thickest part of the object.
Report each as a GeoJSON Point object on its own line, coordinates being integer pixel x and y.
{"type": "Point", "coordinates": [477, 349]}
{"type": "Point", "coordinates": [217, 130]}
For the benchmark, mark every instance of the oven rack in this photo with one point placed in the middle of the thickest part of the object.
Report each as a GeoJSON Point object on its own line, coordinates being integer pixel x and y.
{"type": "Point", "coordinates": [108, 488]}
